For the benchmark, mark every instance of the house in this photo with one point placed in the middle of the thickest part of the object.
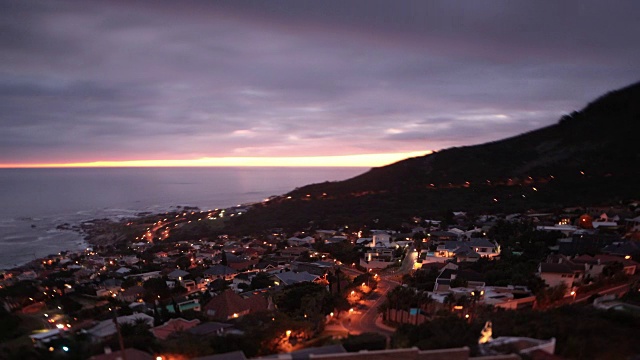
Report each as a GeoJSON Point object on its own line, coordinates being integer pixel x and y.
{"type": "Point", "coordinates": [365, 241]}
{"type": "Point", "coordinates": [243, 278]}
{"type": "Point", "coordinates": [624, 249]}
{"type": "Point", "coordinates": [293, 252]}
{"type": "Point", "coordinates": [42, 339]}
{"type": "Point", "coordinates": [123, 270]}
{"type": "Point", "coordinates": [556, 274]}
{"type": "Point", "coordinates": [209, 329]}
{"type": "Point", "coordinates": [586, 241]}
{"type": "Point", "coordinates": [597, 224]}
{"type": "Point", "coordinates": [184, 305]}
{"type": "Point", "coordinates": [446, 279]}
{"type": "Point", "coordinates": [113, 285]}
{"type": "Point", "coordinates": [130, 260]}
{"type": "Point", "coordinates": [177, 274]}
{"type": "Point", "coordinates": [296, 241]}
{"type": "Point", "coordinates": [378, 258]}
{"type": "Point", "coordinates": [219, 271]}
{"type": "Point", "coordinates": [207, 254]}
{"type": "Point", "coordinates": [290, 277]}
{"type": "Point", "coordinates": [484, 247]}
{"type": "Point", "coordinates": [629, 266]}
{"type": "Point", "coordinates": [145, 276]}
{"type": "Point", "coordinates": [470, 250]}
{"type": "Point", "coordinates": [243, 264]}
{"type": "Point", "coordinates": [439, 236]}
{"type": "Point", "coordinates": [190, 285]}
{"type": "Point", "coordinates": [577, 268]}
{"type": "Point", "coordinates": [336, 240]}
{"type": "Point", "coordinates": [325, 234]}
{"type": "Point", "coordinates": [592, 266]}
{"type": "Point", "coordinates": [132, 294]}
{"type": "Point", "coordinates": [633, 225]}
{"type": "Point", "coordinates": [230, 305]}
{"type": "Point", "coordinates": [316, 268]}
{"type": "Point", "coordinates": [566, 230]}
{"type": "Point", "coordinates": [467, 254]}
{"type": "Point", "coordinates": [381, 239]}
{"type": "Point", "coordinates": [173, 326]}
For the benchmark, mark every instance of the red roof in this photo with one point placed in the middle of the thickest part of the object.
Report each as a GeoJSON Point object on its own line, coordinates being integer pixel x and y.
{"type": "Point", "coordinates": [172, 326]}
{"type": "Point", "coordinates": [223, 306]}
{"type": "Point", "coordinates": [242, 265]}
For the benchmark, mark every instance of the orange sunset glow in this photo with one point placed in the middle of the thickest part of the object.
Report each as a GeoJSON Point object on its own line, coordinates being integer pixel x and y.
{"type": "Point", "coordinates": [361, 160]}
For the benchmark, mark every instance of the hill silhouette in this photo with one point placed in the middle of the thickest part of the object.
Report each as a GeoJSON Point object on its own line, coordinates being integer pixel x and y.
{"type": "Point", "coordinates": [589, 157]}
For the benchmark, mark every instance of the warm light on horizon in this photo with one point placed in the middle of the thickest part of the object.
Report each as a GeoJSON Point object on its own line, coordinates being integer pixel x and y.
{"type": "Point", "coordinates": [361, 160]}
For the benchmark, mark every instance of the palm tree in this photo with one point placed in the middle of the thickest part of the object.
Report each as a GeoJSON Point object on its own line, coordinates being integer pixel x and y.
{"type": "Point", "coordinates": [450, 300]}
{"type": "Point", "coordinates": [423, 300]}
{"type": "Point", "coordinates": [393, 297]}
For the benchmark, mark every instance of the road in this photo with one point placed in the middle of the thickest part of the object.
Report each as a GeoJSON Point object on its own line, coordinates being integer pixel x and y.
{"type": "Point", "coordinates": [617, 290]}
{"type": "Point", "coordinates": [364, 318]}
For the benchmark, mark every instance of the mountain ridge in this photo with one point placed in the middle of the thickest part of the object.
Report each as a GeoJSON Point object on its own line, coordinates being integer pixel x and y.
{"type": "Point", "coordinates": [588, 156]}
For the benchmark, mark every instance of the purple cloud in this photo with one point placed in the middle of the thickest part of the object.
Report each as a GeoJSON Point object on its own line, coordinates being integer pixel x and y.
{"type": "Point", "coordinates": [136, 80]}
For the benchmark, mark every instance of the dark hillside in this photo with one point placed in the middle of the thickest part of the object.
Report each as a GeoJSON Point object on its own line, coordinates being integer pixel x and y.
{"type": "Point", "coordinates": [588, 157]}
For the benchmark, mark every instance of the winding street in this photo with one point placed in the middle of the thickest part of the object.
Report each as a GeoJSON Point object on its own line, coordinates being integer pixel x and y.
{"type": "Point", "coordinates": [364, 318]}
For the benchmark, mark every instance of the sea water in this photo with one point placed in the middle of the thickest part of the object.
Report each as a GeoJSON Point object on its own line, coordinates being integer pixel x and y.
{"type": "Point", "coordinates": [35, 201]}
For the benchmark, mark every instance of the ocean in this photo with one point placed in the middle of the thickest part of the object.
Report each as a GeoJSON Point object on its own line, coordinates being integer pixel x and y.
{"type": "Point", "coordinates": [35, 201]}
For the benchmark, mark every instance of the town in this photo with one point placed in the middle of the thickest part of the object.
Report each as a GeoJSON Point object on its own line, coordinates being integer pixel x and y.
{"type": "Point", "coordinates": [176, 285]}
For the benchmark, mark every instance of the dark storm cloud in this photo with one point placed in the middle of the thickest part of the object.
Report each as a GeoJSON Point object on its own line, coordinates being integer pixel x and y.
{"type": "Point", "coordinates": [139, 80]}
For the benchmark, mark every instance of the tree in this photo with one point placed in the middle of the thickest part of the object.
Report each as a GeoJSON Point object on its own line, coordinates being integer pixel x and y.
{"type": "Point", "coordinates": [613, 269]}
{"type": "Point", "coordinates": [137, 335]}
{"type": "Point", "coordinates": [155, 289]}
{"type": "Point", "coordinates": [10, 324]}
{"type": "Point", "coordinates": [400, 298]}
{"type": "Point", "coordinates": [418, 238]}
{"type": "Point", "coordinates": [205, 297]}
{"type": "Point", "coordinates": [157, 319]}
{"type": "Point", "coordinates": [261, 281]}
{"type": "Point", "coordinates": [546, 297]}
{"type": "Point", "coordinates": [183, 262]}
{"type": "Point", "coordinates": [458, 282]}
{"type": "Point", "coordinates": [305, 300]}
{"type": "Point", "coordinates": [449, 300]}
{"type": "Point", "coordinates": [365, 341]}
{"type": "Point", "coordinates": [223, 259]}
{"type": "Point", "coordinates": [189, 345]}
{"type": "Point", "coordinates": [176, 308]}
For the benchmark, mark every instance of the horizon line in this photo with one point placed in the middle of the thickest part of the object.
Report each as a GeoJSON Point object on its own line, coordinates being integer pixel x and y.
{"type": "Point", "coordinates": [358, 160]}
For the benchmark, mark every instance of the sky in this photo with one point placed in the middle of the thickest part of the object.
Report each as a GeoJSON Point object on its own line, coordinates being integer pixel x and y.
{"type": "Point", "coordinates": [300, 83]}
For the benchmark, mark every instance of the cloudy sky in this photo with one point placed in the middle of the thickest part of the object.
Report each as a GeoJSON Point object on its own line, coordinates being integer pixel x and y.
{"type": "Point", "coordinates": [123, 80]}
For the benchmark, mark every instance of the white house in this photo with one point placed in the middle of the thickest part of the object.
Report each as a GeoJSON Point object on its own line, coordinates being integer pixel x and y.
{"type": "Point", "coordinates": [556, 274]}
